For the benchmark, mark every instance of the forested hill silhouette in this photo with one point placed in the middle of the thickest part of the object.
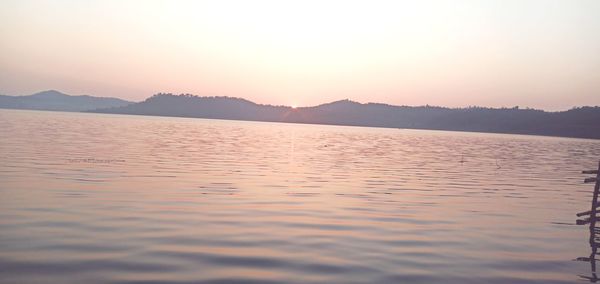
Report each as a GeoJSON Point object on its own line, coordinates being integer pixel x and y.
{"type": "Point", "coordinates": [57, 101]}
{"type": "Point", "coordinates": [581, 122]}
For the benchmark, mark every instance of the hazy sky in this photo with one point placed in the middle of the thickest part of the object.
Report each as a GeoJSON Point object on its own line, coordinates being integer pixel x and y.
{"type": "Point", "coordinates": [543, 54]}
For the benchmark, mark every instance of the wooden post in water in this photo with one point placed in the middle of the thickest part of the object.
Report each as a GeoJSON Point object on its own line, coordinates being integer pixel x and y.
{"type": "Point", "coordinates": [593, 210]}
{"type": "Point", "coordinates": [592, 221]}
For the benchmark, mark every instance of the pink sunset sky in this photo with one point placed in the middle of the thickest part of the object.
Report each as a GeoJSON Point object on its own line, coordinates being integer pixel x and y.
{"type": "Point", "coordinates": [542, 54]}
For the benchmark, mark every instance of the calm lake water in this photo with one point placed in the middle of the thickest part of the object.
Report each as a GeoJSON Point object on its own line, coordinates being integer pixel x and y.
{"type": "Point", "coordinates": [92, 198]}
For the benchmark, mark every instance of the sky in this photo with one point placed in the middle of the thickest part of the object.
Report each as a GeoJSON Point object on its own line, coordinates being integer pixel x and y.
{"type": "Point", "coordinates": [541, 54]}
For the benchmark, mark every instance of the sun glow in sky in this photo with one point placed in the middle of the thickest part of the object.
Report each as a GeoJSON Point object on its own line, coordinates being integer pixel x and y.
{"type": "Point", "coordinates": [542, 54]}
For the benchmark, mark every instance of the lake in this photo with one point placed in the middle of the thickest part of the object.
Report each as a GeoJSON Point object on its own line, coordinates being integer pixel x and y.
{"type": "Point", "coordinates": [96, 198]}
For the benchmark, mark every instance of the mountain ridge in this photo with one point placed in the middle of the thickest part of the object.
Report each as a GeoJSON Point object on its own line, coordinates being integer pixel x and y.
{"type": "Point", "coordinates": [57, 101]}
{"type": "Point", "coordinates": [581, 122]}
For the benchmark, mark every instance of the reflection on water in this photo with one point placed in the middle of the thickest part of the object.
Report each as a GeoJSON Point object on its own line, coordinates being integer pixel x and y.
{"type": "Point", "coordinates": [592, 214]}
{"type": "Point", "coordinates": [129, 199]}
{"type": "Point", "coordinates": [594, 244]}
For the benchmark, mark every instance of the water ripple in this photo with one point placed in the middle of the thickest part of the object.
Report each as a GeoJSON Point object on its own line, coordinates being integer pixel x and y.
{"type": "Point", "coordinates": [133, 199]}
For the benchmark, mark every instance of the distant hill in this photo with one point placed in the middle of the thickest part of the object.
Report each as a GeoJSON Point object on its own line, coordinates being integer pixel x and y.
{"type": "Point", "coordinates": [581, 122]}
{"type": "Point", "coordinates": [57, 101]}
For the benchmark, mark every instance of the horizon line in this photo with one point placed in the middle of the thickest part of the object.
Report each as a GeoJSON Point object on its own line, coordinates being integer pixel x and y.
{"type": "Point", "coordinates": [297, 107]}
